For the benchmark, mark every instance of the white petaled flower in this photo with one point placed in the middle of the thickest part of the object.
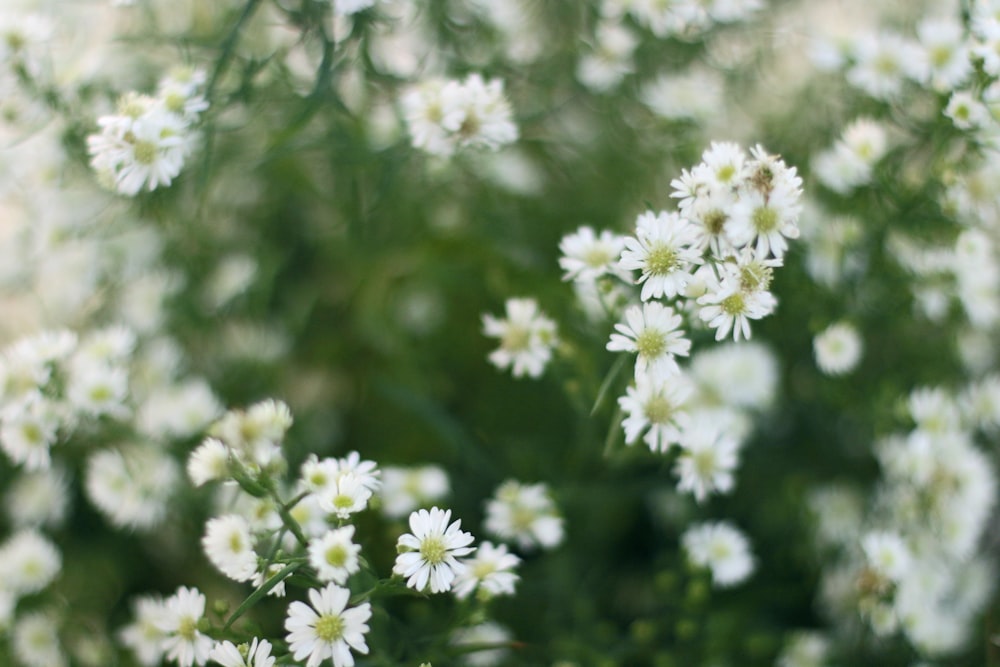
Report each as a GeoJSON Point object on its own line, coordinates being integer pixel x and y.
{"type": "Point", "coordinates": [653, 332]}
{"type": "Point", "coordinates": [837, 349]}
{"type": "Point", "coordinates": [423, 113]}
{"type": "Point", "coordinates": [525, 514]}
{"type": "Point", "coordinates": [721, 548]}
{"type": "Point", "coordinates": [707, 461]}
{"type": "Point", "coordinates": [262, 576]}
{"type": "Point", "coordinates": [178, 411]}
{"type": "Point", "coordinates": [334, 555]}
{"type": "Point", "coordinates": [345, 497]}
{"type": "Point", "coordinates": [38, 498]}
{"type": "Point", "coordinates": [945, 61]}
{"type": "Point", "coordinates": [967, 112]}
{"type": "Point", "coordinates": [655, 404]}
{"type": "Point", "coordinates": [96, 388]}
{"type": "Point", "coordinates": [348, 7]}
{"type": "Point", "coordinates": [765, 220]}
{"type": "Point", "coordinates": [28, 431]}
{"type": "Point", "coordinates": [665, 250]}
{"type": "Point", "coordinates": [209, 462]}
{"type": "Point", "coordinates": [474, 641]}
{"type": "Point", "coordinates": [491, 571]}
{"type": "Point", "coordinates": [183, 642]}
{"type": "Point", "coordinates": [255, 435]}
{"type": "Point", "coordinates": [429, 553]}
{"type": "Point", "coordinates": [882, 62]}
{"type": "Point", "coordinates": [319, 475]}
{"type": "Point", "coordinates": [229, 545]}
{"type": "Point", "coordinates": [526, 336]}
{"type": "Point", "coordinates": [327, 629]}
{"type": "Point", "coordinates": [730, 308]}
{"type": "Point", "coordinates": [887, 554]}
{"type": "Point", "coordinates": [406, 489]}
{"type": "Point", "coordinates": [30, 561]}
{"type": "Point", "coordinates": [587, 256]}
{"type": "Point", "coordinates": [144, 146]}
{"type": "Point", "coordinates": [131, 487]}
{"type": "Point", "coordinates": [477, 113]}
{"type": "Point", "coordinates": [365, 471]}
{"type": "Point", "coordinates": [35, 640]}
{"type": "Point", "coordinates": [144, 636]}
{"type": "Point", "coordinates": [255, 654]}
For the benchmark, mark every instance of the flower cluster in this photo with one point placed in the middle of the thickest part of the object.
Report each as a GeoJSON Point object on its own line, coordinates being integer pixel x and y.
{"type": "Point", "coordinates": [445, 116]}
{"type": "Point", "coordinates": [145, 143]}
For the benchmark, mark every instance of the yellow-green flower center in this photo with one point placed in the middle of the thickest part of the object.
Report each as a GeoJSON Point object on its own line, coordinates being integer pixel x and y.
{"type": "Point", "coordinates": [725, 173]}
{"type": "Point", "coordinates": [433, 550]}
{"type": "Point", "coordinates": [662, 259]}
{"type": "Point", "coordinates": [187, 629]}
{"type": "Point", "coordinates": [336, 555]}
{"type": "Point", "coordinates": [714, 221]}
{"type": "Point", "coordinates": [651, 343]}
{"type": "Point", "coordinates": [145, 152]}
{"type": "Point", "coordinates": [596, 257]}
{"type": "Point", "coordinates": [658, 410]}
{"type": "Point", "coordinates": [755, 276]}
{"type": "Point", "coordinates": [516, 338]}
{"type": "Point", "coordinates": [765, 219]}
{"type": "Point", "coordinates": [734, 304]}
{"type": "Point", "coordinates": [329, 627]}
{"type": "Point", "coordinates": [235, 542]}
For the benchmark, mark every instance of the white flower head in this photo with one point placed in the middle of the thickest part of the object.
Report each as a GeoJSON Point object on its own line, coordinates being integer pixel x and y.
{"type": "Point", "coordinates": [31, 562]}
{"type": "Point", "coordinates": [653, 332]}
{"type": "Point", "coordinates": [183, 642]}
{"type": "Point", "coordinates": [524, 514]}
{"type": "Point", "coordinates": [721, 548]}
{"type": "Point", "coordinates": [229, 545]}
{"type": "Point", "coordinates": [143, 635]}
{"type": "Point", "coordinates": [255, 435]}
{"type": "Point", "coordinates": [665, 250]}
{"type": "Point", "coordinates": [429, 553]}
{"type": "Point", "coordinates": [526, 335]}
{"type": "Point", "coordinates": [35, 640]}
{"type": "Point", "coordinates": [38, 498]}
{"type": "Point", "coordinates": [406, 489]}
{"type": "Point", "coordinates": [348, 495]}
{"type": "Point", "coordinates": [587, 256]}
{"type": "Point", "coordinates": [656, 404]}
{"type": "Point", "coordinates": [328, 628]}
{"type": "Point", "coordinates": [707, 460]}
{"type": "Point", "coordinates": [491, 571]}
{"type": "Point", "coordinates": [334, 555]}
{"type": "Point", "coordinates": [131, 487]}
{"type": "Point", "coordinates": [28, 430]}
{"type": "Point", "coordinates": [209, 462]}
{"type": "Point", "coordinates": [729, 308]}
{"type": "Point", "coordinates": [887, 554]}
{"type": "Point", "coordinates": [255, 654]}
{"type": "Point", "coordinates": [837, 349]}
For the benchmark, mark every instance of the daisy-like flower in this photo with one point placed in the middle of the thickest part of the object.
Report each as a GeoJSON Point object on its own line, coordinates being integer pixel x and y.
{"type": "Point", "coordinates": [664, 249]}
{"type": "Point", "coordinates": [28, 431]}
{"type": "Point", "coordinates": [209, 462]}
{"type": "Point", "coordinates": [653, 332]}
{"type": "Point", "coordinates": [183, 642]}
{"type": "Point", "coordinates": [887, 554]}
{"type": "Point", "coordinates": [730, 308]}
{"type": "Point", "coordinates": [490, 570]}
{"type": "Point", "coordinates": [346, 496]}
{"type": "Point", "coordinates": [30, 561]}
{"type": "Point", "coordinates": [143, 635]}
{"type": "Point", "coordinates": [525, 514]}
{"type": "Point", "coordinates": [655, 404]}
{"type": "Point", "coordinates": [334, 555]}
{"type": "Point", "coordinates": [721, 548]}
{"type": "Point", "coordinates": [406, 489]}
{"type": "Point", "coordinates": [766, 220]}
{"type": "Point", "coordinates": [255, 654]}
{"type": "Point", "coordinates": [229, 545]}
{"type": "Point", "coordinates": [255, 435]}
{"type": "Point", "coordinates": [837, 349]}
{"type": "Point", "coordinates": [477, 113]}
{"type": "Point", "coordinates": [526, 336]}
{"type": "Point", "coordinates": [587, 256]}
{"type": "Point", "coordinates": [429, 553]}
{"type": "Point", "coordinates": [327, 629]}
{"type": "Point", "coordinates": [707, 461]}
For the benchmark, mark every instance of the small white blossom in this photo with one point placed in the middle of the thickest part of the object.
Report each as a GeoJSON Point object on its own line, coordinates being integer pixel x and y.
{"type": "Point", "coordinates": [526, 336]}
{"type": "Point", "coordinates": [429, 553]}
{"type": "Point", "coordinates": [229, 545]}
{"type": "Point", "coordinates": [722, 549]}
{"type": "Point", "coordinates": [334, 555]}
{"type": "Point", "coordinates": [837, 349]}
{"type": "Point", "coordinates": [327, 629]}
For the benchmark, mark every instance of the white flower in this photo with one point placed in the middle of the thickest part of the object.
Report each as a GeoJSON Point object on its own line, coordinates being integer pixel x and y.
{"type": "Point", "coordinates": [722, 549]}
{"type": "Point", "coordinates": [656, 404]}
{"type": "Point", "coordinates": [837, 349]}
{"type": "Point", "coordinates": [488, 634]}
{"type": "Point", "coordinates": [345, 497]}
{"type": "Point", "coordinates": [586, 256]}
{"type": "Point", "coordinates": [228, 544]}
{"type": "Point", "coordinates": [526, 336]}
{"type": "Point", "coordinates": [882, 62]}
{"type": "Point", "coordinates": [35, 640]}
{"type": "Point", "coordinates": [38, 498]}
{"type": "Point", "coordinates": [525, 514]}
{"type": "Point", "coordinates": [490, 570]}
{"type": "Point", "coordinates": [209, 462]}
{"type": "Point", "coordinates": [765, 220]}
{"type": "Point", "coordinates": [730, 308]}
{"type": "Point", "coordinates": [653, 332]}
{"type": "Point", "coordinates": [97, 389]}
{"type": "Point", "coordinates": [255, 654]}
{"type": "Point", "coordinates": [328, 629]}
{"type": "Point", "coordinates": [805, 649]}
{"type": "Point", "coordinates": [178, 411]}
{"type": "Point", "coordinates": [348, 7]}
{"type": "Point", "coordinates": [30, 561]}
{"type": "Point", "coordinates": [406, 489]}
{"type": "Point", "coordinates": [334, 555]}
{"type": "Point", "coordinates": [428, 554]}
{"type": "Point", "coordinates": [738, 375]}
{"type": "Point", "coordinates": [697, 94]}
{"type": "Point", "coordinates": [255, 435]}
{"type": "Point", "coordinates": [707, 461]}
{"type": "Point", "coordinates": [887, 554]}
{"type": "Point", "coordinates": [183, 642]}
{"type": "Point", "coordinates": [28, 431]}
{"type": "Point", "coordinates": [131, 487]}
{"type": "Point", "coordinates": [966, 111]}
{"type": "Point", "coordinates": [664, 249]}
{"type": "Point", "coordinates": [366, 472]}
{"type": "Point", "coordinates": [144, 635]}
